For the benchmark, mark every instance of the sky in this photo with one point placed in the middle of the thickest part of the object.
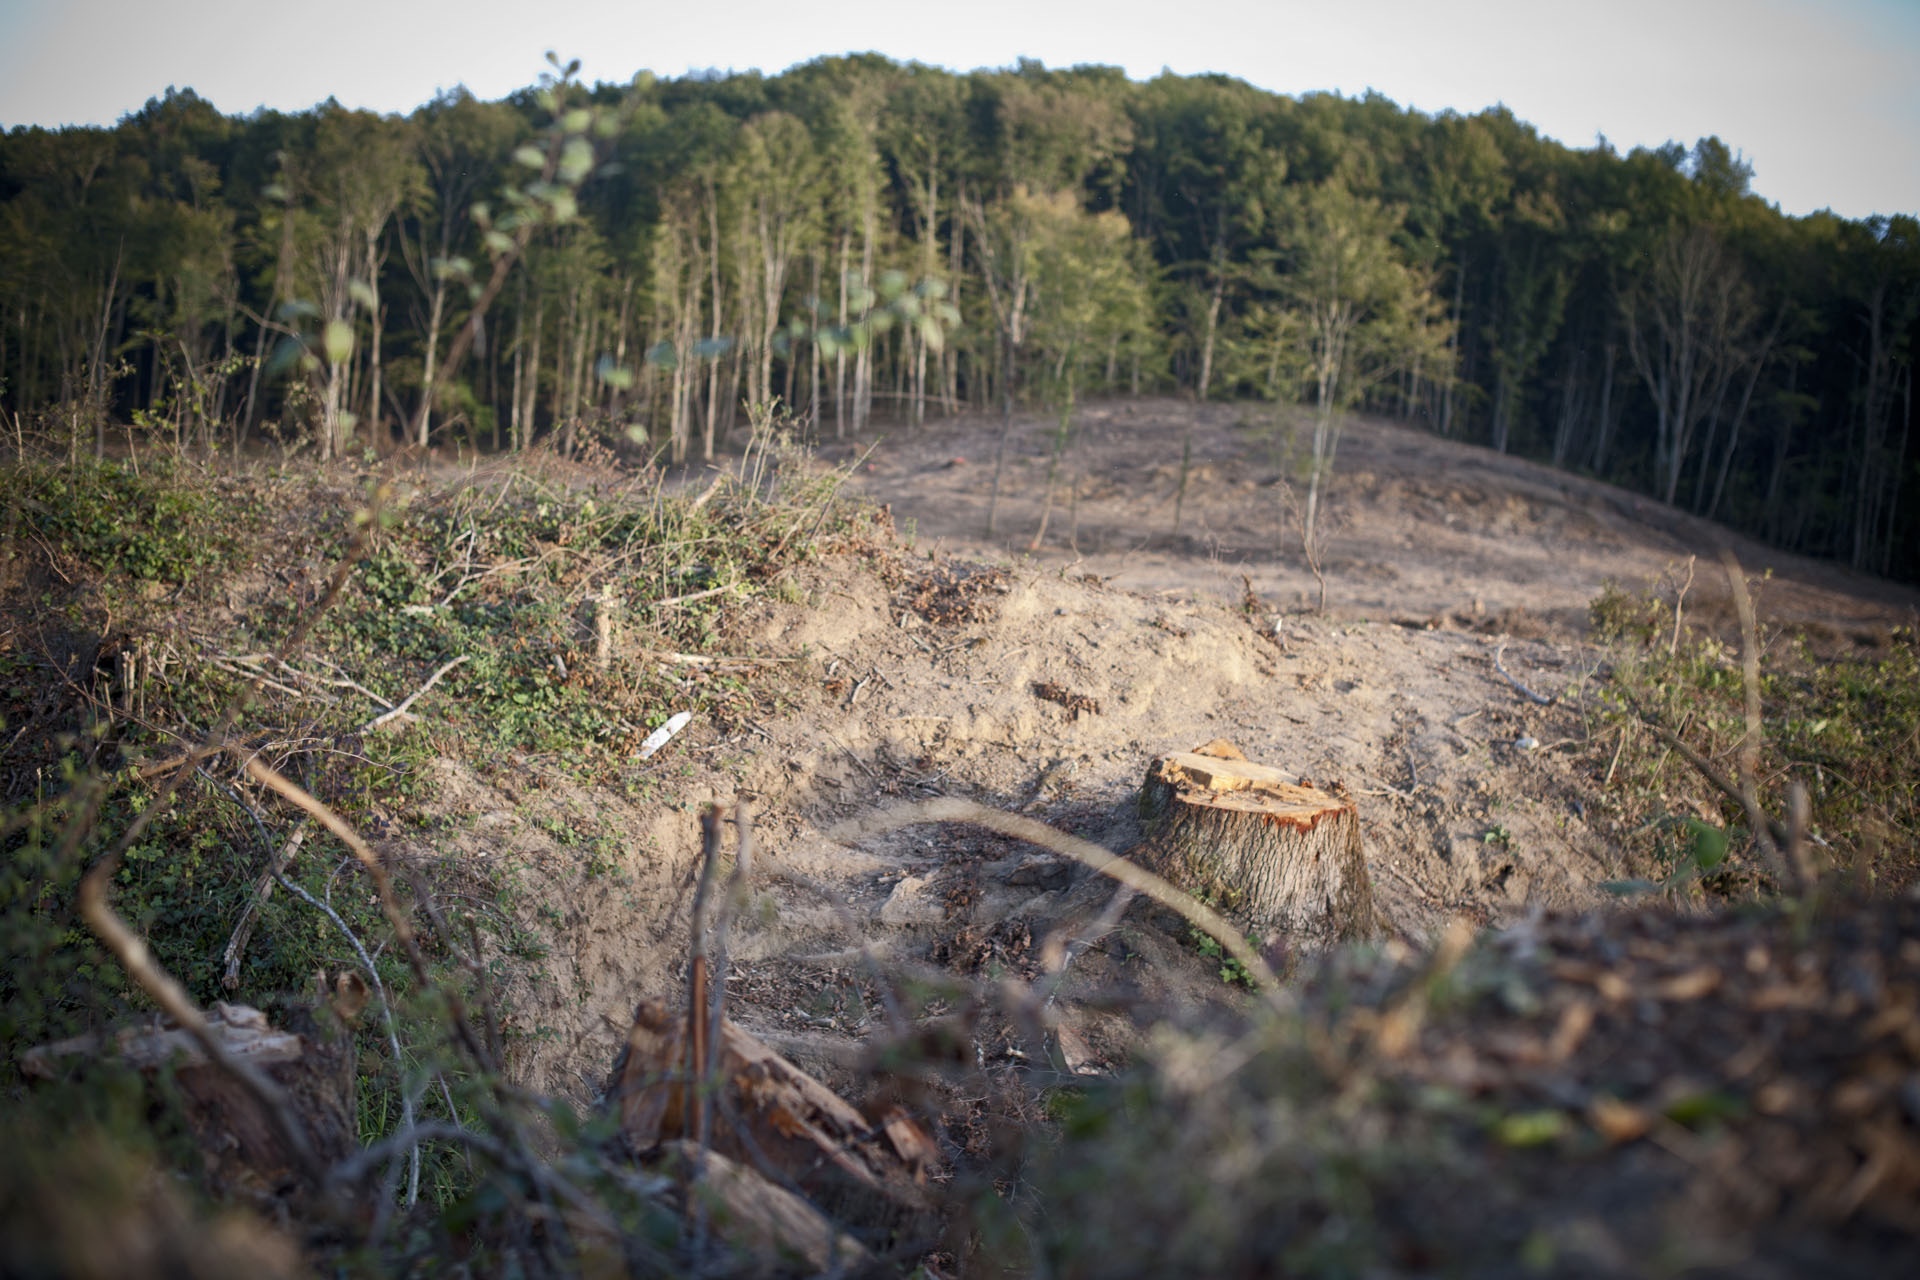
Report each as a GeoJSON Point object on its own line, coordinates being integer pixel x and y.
{"type": "Point", "coordinates": [1822, 97]}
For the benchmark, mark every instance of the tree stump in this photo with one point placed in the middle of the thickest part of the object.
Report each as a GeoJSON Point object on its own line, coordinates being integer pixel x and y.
{"type": "Point", "coordinates": [1281, 857]}
{"type": "Point", "coordinates": [311, 1058]}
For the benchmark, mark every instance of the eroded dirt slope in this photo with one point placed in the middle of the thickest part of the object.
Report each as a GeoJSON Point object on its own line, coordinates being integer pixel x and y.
{"type": "Point", "coordinates": [1045, 684]}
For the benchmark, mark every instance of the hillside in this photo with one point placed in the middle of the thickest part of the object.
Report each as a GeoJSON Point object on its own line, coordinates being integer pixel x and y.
{"type": "Point", "coordinates": [843, 663]}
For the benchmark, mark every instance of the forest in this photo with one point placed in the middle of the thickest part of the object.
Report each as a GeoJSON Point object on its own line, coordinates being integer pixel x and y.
{"type": "Point", "coordinates": [868, 242]}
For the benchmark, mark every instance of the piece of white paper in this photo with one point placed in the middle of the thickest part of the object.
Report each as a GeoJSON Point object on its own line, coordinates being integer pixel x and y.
{"type": "Point", "coordinates": [664, 734]}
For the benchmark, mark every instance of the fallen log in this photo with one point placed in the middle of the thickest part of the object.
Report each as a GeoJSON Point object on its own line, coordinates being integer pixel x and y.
{"type": "Point", "coordinates": [767, 1228]}
{"type": "Point", "coordinates": [1278, 856]}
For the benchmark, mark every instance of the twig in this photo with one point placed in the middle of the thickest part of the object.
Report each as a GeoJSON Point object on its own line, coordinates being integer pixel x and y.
{"type": "Point", "coordinates": [1529, 694]}
{"type": "Point", "coordinates": [716, 1013]}
{"type": "Point", "coordinates": [243, 928]}
{"type": "Point", "coordinates": [1678, 601]}
{"type": "Point", "coordinates": [709, 660]}
{"type": "Point", "coordinates": [1707, 770]}
{"type": "Point", "coordinates": [401, 708]}
{"type": "Point", "coordinates": [862, 764]}
{"type": "Point", "coordinates": [1749, 758]}
{"type": "Point", "coordinates": [699, 1007]}
{"type": "Point", "coordinates": [1615, 762]}
{"type": "Point", "coordinates": [719, 479]}
{"type": "Point", "coordinates": [1106, 862]}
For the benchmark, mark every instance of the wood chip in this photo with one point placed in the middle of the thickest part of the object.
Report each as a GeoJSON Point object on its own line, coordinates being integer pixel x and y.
{"type": "Point", "coordinates": [1688, 986]}
{"type": "Point", "coordinates": [1618, 1121]}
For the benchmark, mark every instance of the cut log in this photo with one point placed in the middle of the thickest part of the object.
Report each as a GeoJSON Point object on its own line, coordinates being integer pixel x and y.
{"type": "Point", "coordinates": [768, 1228]}
{"type": "Point", "coordinates": [770, 1113]}
{"type": "Point", "coordinates": [1280, 857]}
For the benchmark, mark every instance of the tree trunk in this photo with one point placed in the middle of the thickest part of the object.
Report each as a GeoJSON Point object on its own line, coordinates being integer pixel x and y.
{"type": "Point", "coordinates": [1280, 857]}
{"type": "Point", "coordinates": [1213, 327]}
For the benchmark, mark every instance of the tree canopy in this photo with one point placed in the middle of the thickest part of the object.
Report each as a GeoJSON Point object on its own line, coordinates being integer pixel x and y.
{"type": "Point", "coordinates": [647, 257]}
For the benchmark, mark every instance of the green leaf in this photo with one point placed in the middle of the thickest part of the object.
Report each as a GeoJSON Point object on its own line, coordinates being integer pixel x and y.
{"type": "Point", "coordinates": [1696, 1109]}
{"type": "Point", "coordinates": [576, 161]}
{"type": "Point", "coordinates": [1530, 1128]}
{"type": "Point", "coordinates": [498, 242]}
{"type": "Point", "coordinates": [563, 204]}
{"type": "Point", "coordinates": [932, 334]}
{"type": "Point", "coordinates": [577, 120]}
{"type": "Point", "coordinates": [530, 157]}
{"type": "Point", "coordinates": [361, 292]}
{"type": "Point", "coordinates": [1709, 847]}
{"type": "Point", "coordinates": [338, 341]}
{"type": "Point", "coordinates": [614, 375]}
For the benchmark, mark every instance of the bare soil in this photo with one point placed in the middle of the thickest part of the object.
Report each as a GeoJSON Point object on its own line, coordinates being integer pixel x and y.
{"type": "Point", "coordinates": [1044, 683]}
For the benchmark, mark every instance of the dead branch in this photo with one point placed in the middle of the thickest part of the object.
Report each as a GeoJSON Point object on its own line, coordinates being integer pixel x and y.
{"type": "Point", "coordinates": [401, 707]}
{"type": "Point", "coordinates": [1749, 757]}
{"type": "Point", "coordinates": [1678, 602]}
{"type": "Point", "coordinates": [243, 928]}
{"type": "Point", "coordinates": [1527, 693]}
{"type": "Point", "coordinates": [276, 875]}
{"type": "Point", "coordinates": [1718, 780]}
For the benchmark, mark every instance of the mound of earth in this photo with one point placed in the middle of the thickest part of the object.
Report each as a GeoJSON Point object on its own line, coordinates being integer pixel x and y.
{"type": "Point", "coordinates": [1415, 526]}
{"type": "Point", "coordinates": [1047, 695]}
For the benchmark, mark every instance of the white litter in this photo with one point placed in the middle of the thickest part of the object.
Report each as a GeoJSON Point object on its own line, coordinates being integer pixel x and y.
{"type": "Point", "coordinates": [664, 734]}
{"type": "Point", "coordinates": [1527, 744]}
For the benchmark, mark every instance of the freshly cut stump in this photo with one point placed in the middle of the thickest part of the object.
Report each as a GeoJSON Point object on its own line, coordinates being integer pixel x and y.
{"type": "Point", "coordinates": [1282, 858]}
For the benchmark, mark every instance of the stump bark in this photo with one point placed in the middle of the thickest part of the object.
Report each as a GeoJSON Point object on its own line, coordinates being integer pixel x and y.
{"type": "Point", "coordinates": [1281, 857]}
{"type": "Point", "coordinates": [311, 1058]}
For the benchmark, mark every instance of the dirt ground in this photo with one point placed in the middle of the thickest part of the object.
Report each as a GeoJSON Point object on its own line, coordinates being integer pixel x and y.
{"type": "Point", "coordinates": [1446, 564]}
{"type": "Point", "coordinates": [1414, 527]}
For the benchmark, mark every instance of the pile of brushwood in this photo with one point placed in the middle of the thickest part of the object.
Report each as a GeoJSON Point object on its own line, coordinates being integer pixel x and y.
{"type": "Point", "coordinates": [210, 676]}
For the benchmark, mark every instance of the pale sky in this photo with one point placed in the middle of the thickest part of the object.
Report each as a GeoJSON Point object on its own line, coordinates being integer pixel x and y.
{"type": "Point", "coordinates": [1821, 96]}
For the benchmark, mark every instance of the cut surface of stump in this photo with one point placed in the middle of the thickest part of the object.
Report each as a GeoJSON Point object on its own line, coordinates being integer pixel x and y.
{"type": "Point", "coordinates": [1281, 857]}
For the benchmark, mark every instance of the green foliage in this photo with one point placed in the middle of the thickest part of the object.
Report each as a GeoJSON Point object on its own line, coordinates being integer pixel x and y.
{"type": "Point", "coordinates": [159, 524]}
{"type": "Point", "coordinates": [1232, 972]}
{"type": "Point", "coordinates": [1499, 285]}
{"type": "Point", "coordinates": [1842, 723]}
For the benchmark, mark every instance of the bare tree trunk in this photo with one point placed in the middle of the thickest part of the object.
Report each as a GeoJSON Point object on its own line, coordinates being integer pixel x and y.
{"type": "Point", "coordinates": [519, 366]}
{"type": "Point", "coordinates": [423, 414]}
{"type": "Point", "coordinates": [1453, 350]}
{"type": "Point", "coordinates": [840, 355]}
{"type": "Point", "coordinates": [863, 358]}
{"type": "Point", "coordinates": [813, 348]}
{"type": "Point", "coordinates": [527, 421]}
{"type": "Point", "coordinates": [374, 262]}
{"type": "Point", "coordinates": [97, 361]}
{"type": "Point", "coordinates": [1213, 326]}
{"type": "Point", "coordinates": [718, 303]}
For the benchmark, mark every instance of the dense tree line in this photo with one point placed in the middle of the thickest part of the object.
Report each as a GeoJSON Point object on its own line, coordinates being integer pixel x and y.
{"type": "Point", "coordinates": [654, 255]}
